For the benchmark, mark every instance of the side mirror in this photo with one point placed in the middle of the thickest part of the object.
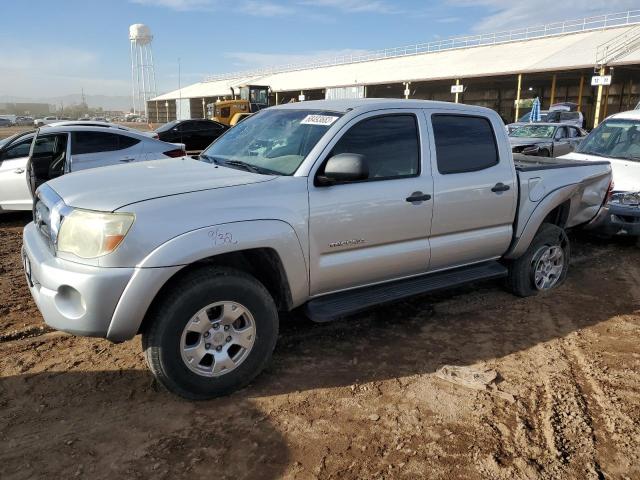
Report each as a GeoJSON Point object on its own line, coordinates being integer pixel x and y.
{"type": "Point", "coordinates": [344, 167]}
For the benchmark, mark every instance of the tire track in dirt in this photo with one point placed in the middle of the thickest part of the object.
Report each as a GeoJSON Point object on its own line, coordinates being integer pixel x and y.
{"type": "Point", "coordinates": [564, 418]}
{"type": "Point", "coordinates": [622, 430]}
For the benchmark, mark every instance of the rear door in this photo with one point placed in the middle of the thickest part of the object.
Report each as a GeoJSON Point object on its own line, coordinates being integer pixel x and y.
{"type": "Point", "coordinates": [475, 189]}
{"type": "Point", "coordinates": [14, 186]}
{"type": "Point", "coordinates": [368, 231]}
{"type": "Point", "coordinates": [91, 149]}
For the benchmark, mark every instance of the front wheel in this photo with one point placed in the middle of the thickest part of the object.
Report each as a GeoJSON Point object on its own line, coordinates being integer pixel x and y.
{"type": "Point", "coordinates": [543, 266]}
{"type": "Point", "coordinates": [212, 334]}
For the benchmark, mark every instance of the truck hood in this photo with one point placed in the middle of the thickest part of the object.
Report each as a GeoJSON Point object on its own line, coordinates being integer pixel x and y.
{"type": "Point", "coordinates": [626, 173]}
{"type": "Point", "coordinates": [110, 188]}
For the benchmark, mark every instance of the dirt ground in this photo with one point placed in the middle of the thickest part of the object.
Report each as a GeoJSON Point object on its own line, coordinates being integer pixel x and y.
{"type": "Point", "coordinates": [353, 399]}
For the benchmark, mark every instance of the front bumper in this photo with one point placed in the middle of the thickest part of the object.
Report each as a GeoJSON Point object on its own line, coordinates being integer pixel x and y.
{"type": "Point", "coordinates": [74, 298]}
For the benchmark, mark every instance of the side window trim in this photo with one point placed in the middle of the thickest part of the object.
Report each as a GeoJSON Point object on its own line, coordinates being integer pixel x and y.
{"type": "Point", "coordinates": [453, 113]}
{"type": "Point", "coordinates": [356, 121]}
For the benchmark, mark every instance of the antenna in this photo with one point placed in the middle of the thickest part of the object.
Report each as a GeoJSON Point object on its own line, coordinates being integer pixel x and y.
{"type": "Point", "coordinates": [143, 77]}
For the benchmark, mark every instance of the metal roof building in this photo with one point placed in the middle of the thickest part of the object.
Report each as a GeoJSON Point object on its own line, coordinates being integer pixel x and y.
{"type": "Point", "coordinates": [548, 54]}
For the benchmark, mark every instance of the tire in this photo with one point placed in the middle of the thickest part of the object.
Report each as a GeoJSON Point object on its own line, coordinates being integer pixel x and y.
{"type": "Point", "coordinates": [168, 335]}
{"type": "Point", "coordinates": [521, 279]}
{"type": "Point", "coordinates": [545, 153]}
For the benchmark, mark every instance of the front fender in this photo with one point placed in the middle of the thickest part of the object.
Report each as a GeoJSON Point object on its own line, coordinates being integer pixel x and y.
{"type": "Point", "coordinates": [170, 257]}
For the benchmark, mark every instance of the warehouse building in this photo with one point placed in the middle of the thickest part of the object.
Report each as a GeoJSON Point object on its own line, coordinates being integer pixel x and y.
{"type": "Point", "coordinates": [502, 71]}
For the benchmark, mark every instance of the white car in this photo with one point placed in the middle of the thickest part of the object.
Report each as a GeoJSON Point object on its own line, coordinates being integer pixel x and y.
{"type": "Point", "coordinates": [61, 150]}
{"type": "Point", "coordinates": [94, 123]}
{"type": "Point", "coordinates": [617, 139]}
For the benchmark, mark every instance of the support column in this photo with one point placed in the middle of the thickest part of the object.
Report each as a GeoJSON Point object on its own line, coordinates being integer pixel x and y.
{"type": "Point", "coordinates": [606, 102]}
{"type": "Point", "coordinates": [457, 94]}
{"type": "Point", "coordinates": [580, 93]}
{"type": "Point", "coordinates": [157, 113]}
{"type": "Point", "coordinates": [553, 90]}
{"type": "Point", "coordinates": [596, 117]}
{"type": "Point", "coordinates": [276, 98]}
{"type": "Point", "coordinates": [204, 108]}
{"type": "Point", "coordinates": [518, 97]}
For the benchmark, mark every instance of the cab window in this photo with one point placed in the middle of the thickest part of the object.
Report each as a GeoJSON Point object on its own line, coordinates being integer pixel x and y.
{"type": "Point", "coordinates": [464, 143]}
{"type": "Point", "coordinates": [389, 144]}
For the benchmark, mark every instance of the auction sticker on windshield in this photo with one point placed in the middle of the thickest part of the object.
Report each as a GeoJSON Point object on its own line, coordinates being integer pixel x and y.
{"type": "Point", "coordinates": [318, 120]}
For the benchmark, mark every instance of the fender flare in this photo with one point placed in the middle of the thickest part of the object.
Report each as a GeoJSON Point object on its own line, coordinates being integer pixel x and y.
{"type": "Point", "coordinates": [534, 222]}
{"type": "Point", "coordinates": [166, 260]}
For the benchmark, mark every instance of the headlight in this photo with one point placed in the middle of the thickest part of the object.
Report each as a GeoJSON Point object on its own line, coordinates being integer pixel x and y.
{"type": "Point", "coordinates": [89, 234]}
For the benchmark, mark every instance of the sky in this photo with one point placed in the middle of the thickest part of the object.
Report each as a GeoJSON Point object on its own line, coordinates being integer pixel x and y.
{"type": "Point", "coordinates": [54, 48]}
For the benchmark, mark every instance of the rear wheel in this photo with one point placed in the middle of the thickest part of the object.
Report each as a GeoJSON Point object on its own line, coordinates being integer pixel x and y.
{"type": "Point", "coordinates": [543, 266]}
{"type": "Point", "coordinates": [212, 334]}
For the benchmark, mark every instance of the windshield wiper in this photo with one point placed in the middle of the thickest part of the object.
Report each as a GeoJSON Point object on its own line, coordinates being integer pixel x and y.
{"type": "Point", "coordinates": [214, 160]}
{"type": "Point", "coordinates": [248, 167]}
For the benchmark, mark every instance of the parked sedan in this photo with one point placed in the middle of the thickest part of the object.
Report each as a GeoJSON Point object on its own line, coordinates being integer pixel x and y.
{"type": "Point", "coordinates": [61, 150]}
{"type": "Point", "coordinates": [24, 121]}
{"type": "Point", "coordinates": [545, 139]}
{"type": "Point", "coordinates": [195, 134]}
{"type": "Point", "coordinates": [5, 122]}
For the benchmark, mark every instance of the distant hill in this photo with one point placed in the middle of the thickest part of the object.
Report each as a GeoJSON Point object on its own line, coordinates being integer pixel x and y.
{"type": "Point", "coordinates": [106, 102]}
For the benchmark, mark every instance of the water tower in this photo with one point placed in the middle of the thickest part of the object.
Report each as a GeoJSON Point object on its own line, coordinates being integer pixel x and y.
{"type": "Point", "coordinates": [143, 77]}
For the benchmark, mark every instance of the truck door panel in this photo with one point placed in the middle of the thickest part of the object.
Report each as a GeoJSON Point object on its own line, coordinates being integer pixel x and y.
{"type": "Point", "coordinates": [475, 190]}
{"type": "Point", "coordinates": [366, 232]}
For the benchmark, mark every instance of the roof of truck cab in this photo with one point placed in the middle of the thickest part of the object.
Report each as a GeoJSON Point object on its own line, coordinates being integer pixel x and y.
{"type": "Point", "coordinates": [375, 104]}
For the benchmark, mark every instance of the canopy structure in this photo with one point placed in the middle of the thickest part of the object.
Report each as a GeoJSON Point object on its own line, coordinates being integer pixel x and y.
{"type": "Point", "coordinates": [472, 58]}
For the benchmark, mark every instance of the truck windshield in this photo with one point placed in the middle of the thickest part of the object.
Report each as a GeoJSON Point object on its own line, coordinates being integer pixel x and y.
{"type": "Point", "coordinates": [533, 131]}
{"type": "Point", "coordinates": [272, 141]}
{"type": "Point", "coordinates": [614, 138]}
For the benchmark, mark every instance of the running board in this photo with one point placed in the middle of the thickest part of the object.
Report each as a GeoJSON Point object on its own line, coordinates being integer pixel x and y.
{"type": "Point", "coordinates": [336, 305]}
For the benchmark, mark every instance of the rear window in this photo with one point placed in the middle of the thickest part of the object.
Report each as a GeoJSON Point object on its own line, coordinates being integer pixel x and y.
{"type": "Point", "coordinates": [94, 142]}
{"type": "Point", "coordinates": [463, 143]}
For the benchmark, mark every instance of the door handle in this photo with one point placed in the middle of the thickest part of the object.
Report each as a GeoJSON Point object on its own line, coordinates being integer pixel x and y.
{"type": "Point", "coordinates": [500, 187]}
{"type": "Point", "coordinates": [126, 160]}
{"type": "Point", "coordinates": [19, 170]}
{"type": "Point", "coordinates": [418, 197]}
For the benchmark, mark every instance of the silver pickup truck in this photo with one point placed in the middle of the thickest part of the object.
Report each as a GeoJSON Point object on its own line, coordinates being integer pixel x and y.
{"type": "Point", "coordinates": [331, 206]}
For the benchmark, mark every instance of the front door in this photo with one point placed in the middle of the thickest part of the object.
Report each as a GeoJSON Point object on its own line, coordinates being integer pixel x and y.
{"type": "Point", "coordinates": [561, 143]}
{"type": "Point", "coordinates": [14, 186]}
{"type": "Point", "coordinates": [370, 231]}
{"type": "Point", "coordinates": [475, 190]}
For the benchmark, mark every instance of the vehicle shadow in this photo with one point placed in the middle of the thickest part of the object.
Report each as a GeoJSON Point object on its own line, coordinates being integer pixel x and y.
{"type": "Point", "coordinates": [462, 327]}
{"type": "Point", "coordinates": [118, 424]}
{"type": "Point", "coordinates": [15, 219]}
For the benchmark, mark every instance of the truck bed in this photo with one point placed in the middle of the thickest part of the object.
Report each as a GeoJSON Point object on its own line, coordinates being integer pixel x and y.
{"type": "Point", "coordinates": [578, 187]}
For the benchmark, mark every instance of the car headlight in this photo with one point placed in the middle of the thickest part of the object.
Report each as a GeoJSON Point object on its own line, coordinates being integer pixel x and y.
{"type": "Point", "coordinates": [90, 234]}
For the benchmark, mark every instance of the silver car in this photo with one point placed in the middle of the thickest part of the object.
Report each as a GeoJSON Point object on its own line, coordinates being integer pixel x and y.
{"type": "Point", "coordinates": [64, 149]}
